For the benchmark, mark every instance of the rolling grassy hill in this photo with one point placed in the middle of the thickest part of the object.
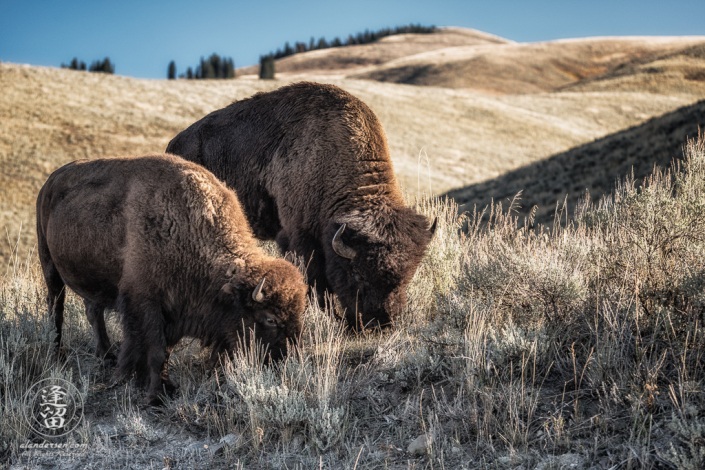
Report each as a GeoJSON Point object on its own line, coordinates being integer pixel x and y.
{"type": "Point", "coordinates": [595, 166]}
{"type": "Point", "coordinates": [538, 67]}
{"type": "Point", "coordinates": [576, 347]}
{"type": "Point", "coordinates": [341, 61]}
{"type": "Point", "coordinates": [470, 59]}
{"type": "Point", "coordinates": [441, 137]}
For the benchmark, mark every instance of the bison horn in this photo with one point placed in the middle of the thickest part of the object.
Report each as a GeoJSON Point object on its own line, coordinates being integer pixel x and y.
{"type": "Point", "coordinates": [433, 226]}
{"type": "Point", "coordinates": [257, 295]}
{"type": "Point", "coordinates": [339, 247]}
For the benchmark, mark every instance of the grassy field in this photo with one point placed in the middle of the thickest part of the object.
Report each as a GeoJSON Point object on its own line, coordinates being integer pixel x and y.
{"type": "Point", "coordinates": [594, 167]}
{"type": "Point", "coordinates": [574, 346]}
{"type": "Point", "coordinates": [439, 138]}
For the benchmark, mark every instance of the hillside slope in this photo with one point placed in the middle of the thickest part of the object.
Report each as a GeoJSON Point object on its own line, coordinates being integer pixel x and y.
{"type": "Point", "coordinates": [529, 67]}
{"type": "Point", "coordinates": [440, 138]}
{"type": "Point", "coordinates": [339, 61]}
{"type": "Point", "coordinates": [595, 166]}
{"type": "Point", "coordinates": [53, 116]}
{"type": "Point", "coordinates": [673, 72]}
{"type": "Point", "coordinates": [469, 59]}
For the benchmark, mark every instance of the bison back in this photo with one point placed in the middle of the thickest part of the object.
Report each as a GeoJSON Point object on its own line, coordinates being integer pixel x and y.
{"type": "Point", "coordinates": [80, 213]}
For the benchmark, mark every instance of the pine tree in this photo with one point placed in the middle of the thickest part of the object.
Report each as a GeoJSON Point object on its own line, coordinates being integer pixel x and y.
{"type": "Point", "coordinates": [108, 67]}
{"type": "Point", "coordinates": [105, 66]}
{"type": "Point", "coordinates": [74, 65]}
{"type": "Point", "coordinates": [207, 70]}
{"type": "Point", "coordinates": [365, 37]}
{"type": "Point", "coordinates": [216, 65]}
{"type": "Point", "coordinates": [229, 68]}
{"type": "Point", "coordinates": [171, 72]}
{"type": "Point", "coordinates": [266, 67]}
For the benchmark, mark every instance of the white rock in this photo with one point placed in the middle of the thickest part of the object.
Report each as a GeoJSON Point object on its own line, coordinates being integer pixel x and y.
{"type": "Point", "coordinates": [564, 462]}
{"type": "Point", "coordinates": [297, 442]}
{"type": "Point", "coordinates": [420, 445]}
{"type": "Point", "coordinates": [570, 461]}
{"type": "Point", "coordinates": [229, 440]}
{"type": "Point", "coordinates": [196, 447]}
{"type": "Point", "coordinates": [216, 449]}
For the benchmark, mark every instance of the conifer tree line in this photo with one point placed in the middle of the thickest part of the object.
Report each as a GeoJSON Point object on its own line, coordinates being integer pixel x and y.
{"type": "Point", "coordinates": [104, 66]}
{"type": "Point", "coordinates": [360, 38]}
{"type": "Point", "coordinates": [266, 67]}
{"type": "Point", "coordinates": [214, 66]}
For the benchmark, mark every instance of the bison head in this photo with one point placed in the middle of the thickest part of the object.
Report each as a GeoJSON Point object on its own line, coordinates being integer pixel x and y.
{"type": "Point", "coordinates": [371, 258]}
{"type": "Point", "coordinates": [267, 302]}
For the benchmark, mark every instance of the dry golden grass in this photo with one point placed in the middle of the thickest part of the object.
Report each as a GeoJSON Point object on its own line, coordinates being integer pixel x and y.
{"type": "Point", "coordinates": [341, 61]}
{"type": "Point", "coordinates": [594, 167]}
{"type": "Point", "coordinates": [538, 67]}
{"type": "Point", "coordinates": [440, 138]}
{"type": "Point", "coordinates": [53, 116]}
{"type": "Point", "coordinates": [572, 347]}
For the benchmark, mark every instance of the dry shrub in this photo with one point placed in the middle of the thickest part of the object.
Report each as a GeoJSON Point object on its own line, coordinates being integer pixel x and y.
{"type": "Point", "coordinates": [297, 396]}
{"type": "Point", "coordinates": [27, 351]}
{"type": "Point", "coordinates": [518, 342]}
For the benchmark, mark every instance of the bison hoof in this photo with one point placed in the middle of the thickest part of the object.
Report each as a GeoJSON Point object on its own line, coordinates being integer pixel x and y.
{"type": "Point", "coordinates": [60, 355]}
{"type": "Point", "coordinates": [155, 402]}
{"type": "Point", "coordinates": [109, 360]}
{"type": "Point", "coordinates": [169, 388]}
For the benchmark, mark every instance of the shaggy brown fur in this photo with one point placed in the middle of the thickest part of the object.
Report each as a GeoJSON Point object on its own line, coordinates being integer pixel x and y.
{"type": "Point", "coordinates": [165, 243]}
{"type": "Point", "coordinates": [306, 159]}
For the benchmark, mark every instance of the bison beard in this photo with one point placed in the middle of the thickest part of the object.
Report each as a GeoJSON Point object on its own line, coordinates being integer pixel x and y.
{"type": "Point", "coordinates": [166, 244]}
{"type": "Point", "coordinates": [310, 164]}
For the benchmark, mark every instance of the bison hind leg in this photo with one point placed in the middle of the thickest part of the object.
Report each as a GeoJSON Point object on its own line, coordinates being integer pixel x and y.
{"type": "Point", "coordinates": [56, 295]}
{"type": "Point", "coordinates": [96, 317]}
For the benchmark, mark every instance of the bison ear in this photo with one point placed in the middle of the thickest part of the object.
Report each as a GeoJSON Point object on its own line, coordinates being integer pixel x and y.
{"type": "Point", "coordinates": [228, 288]}
{"type": "Point", "coordinates": [235, 268]}
{"type": "Point", "coordinates": [434, 225]}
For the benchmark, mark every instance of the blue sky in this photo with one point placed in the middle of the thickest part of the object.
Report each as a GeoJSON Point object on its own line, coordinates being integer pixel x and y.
{"type": "Point", "coordinates": [141, 37]}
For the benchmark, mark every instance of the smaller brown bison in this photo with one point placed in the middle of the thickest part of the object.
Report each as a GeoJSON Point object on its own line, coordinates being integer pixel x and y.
{"type": "Point", "coordinates": [166, 244]}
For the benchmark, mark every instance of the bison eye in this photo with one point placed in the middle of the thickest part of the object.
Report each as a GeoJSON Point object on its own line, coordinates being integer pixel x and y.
{"type": "Point", "coordinates": [271, 321]}
{"type": "Point", "coordinates": [357, 278]}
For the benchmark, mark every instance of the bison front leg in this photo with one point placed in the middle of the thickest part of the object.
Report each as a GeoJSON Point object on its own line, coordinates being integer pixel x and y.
{"type": "Point", "coordinates": [157, 355]}
{"type": "Point", "coordinates": [95, 314]}
{"type": "Point", "coordinates": [168, 386]}
{"type": "Point", "coordinates": [144, 347]}
{"type": "Point", "coordinates": [314, 259]}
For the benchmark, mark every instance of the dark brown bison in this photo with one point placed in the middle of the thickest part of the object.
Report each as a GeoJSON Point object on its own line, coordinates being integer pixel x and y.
{"type": "Point", "coordinates": [166, 244]}
{"type": "Point", "coordinates": [310, 164]}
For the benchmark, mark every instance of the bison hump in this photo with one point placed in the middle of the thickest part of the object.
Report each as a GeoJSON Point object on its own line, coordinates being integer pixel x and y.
{"type": "Point", "coordinates": [201, 196]}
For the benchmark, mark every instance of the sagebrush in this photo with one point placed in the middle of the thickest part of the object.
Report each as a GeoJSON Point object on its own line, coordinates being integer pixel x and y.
{"type": "Point", "coordinates": [580, 344]}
